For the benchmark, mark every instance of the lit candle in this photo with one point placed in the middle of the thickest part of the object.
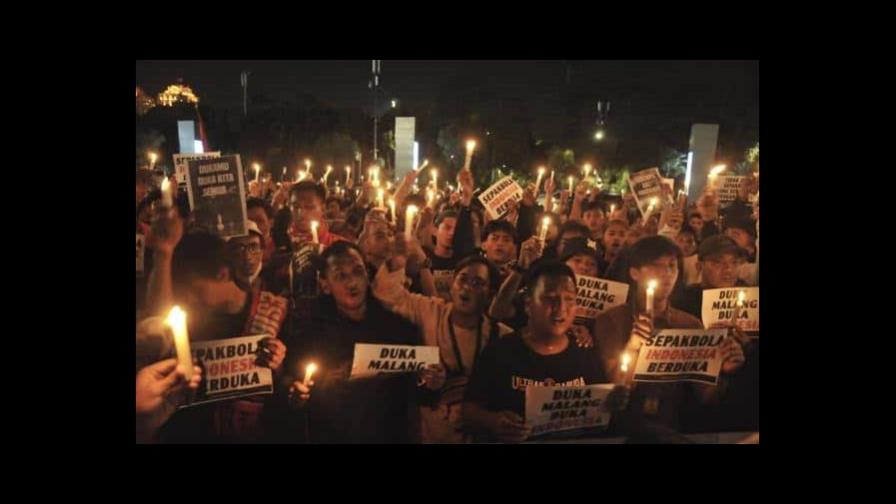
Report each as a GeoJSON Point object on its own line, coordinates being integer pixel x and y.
{"type": "Point", "coordinates": [422, 166]}
{"type": "Point", "coordinates": [167, 197]}
{"type": "Point", "coordinates": [307, 165]}
{"type": "Point", "coordinates": [409, 221]}
{"type": "Point", "coordinates": [471, 145]}
{"type": "Point", "coordinates": [651, 288]}
{"type": "Point", "coordinates": [587, 169]}
{"type": "Point", "coordinates": [314, 225]}
{"type": "Point", "coordinates": [434, 176]}
{"type": "Point", "coordinates": [541, 171]}
{"type": "Point", "coordinates": [348, 173]}
{"type": "Point", "coordinates": [309, 370]}
{"type": "Point", "coordinates": [152, 160]}
{"type": "Point", "coordinates": [626, 359]}
{"type": "Point", "coordinates": [714, 174]}
{"type": "Point", "coordinates": [380, 195]}
{"type": "Point", "coordinates": [327, 173]}
{"type": "Point", "coordinates": [177, 321]}
{"type": "Point", "coordinates": [612, 209]}
{"type": "Point", "coordinates": [284, 173]}
{"type": "Point", "coordinates": [653, 202]}
{"type": "Point", "coordinates": [430, 197]}
{"type": "Point", "coordinates": [545, 224]}
{"type": "Point", "coordinates": [570, 183]}
{"type": "Point", "coordinates": [392, 207]}
{"type": "Point", "coordinates": [257, 169]}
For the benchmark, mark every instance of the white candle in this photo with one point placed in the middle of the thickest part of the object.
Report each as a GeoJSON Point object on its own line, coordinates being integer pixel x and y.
{"type": "Point", "coordinates": [434, 175]}
{"type": "Point", "coordinates": [380, 195]}
{"type": "Point", "coordinates": [612, 209]}
{"type": "Point", "coordinates": [167, 197]}
{"type": "Point", "coordinates": [307, 165]}
{"type": "Point", "coordinates": [257, 169]}
{"type": "Point", "coordinates": [314, 225]}
{"type": "Point", "coordinates": [570, 184]}
{"type": "Point", "coordinates": [327, 173]}
{"type": "Point", "coordinates": [309, 370]}
{"type": "Point", "coordinates": [177, 321]}
{"type": "Point", "coordinates": [471, 145]}
{"type": "Point", "coordinates": [541, 171]}
{"type": "Point", "coordinates": [348, 173]}
{"type": "Point", "coordinates": [545, 224]}
{"type": "Point", "coordinates": [587, 170]}
{"type": "Point", "coordinates": [651, 287]}
{"type": "Point", "coordinates": [714, 174]}
{"type": "Point", "coordinates": [409, 221]}
{"type": "Point", "coordinates": [392, 207]}
{"type": "Point", "coordinates": [626, 359]}
{"type": "Point", "coordinates": [430, 197]}
{"type": "Point", "coordinates": [422, 166]}
{"type": "Point", "coordinates": [152, 160]}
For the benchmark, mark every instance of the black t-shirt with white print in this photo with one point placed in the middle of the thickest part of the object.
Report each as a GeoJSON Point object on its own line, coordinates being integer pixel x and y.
{"type": "Point", "coordinates": [507, 366]}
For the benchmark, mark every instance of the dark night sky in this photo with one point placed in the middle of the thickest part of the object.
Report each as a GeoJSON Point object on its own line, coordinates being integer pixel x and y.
{"type": "Point", "coordinates": [644, 93]}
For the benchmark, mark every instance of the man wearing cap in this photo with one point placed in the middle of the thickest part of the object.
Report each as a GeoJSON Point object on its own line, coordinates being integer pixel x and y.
{"type": "Point", "coordinates": [743, 231]}
{"type": "Point", "coordinates": [249, 251]}
{"type": "Point", "coordinates": [719, 259]}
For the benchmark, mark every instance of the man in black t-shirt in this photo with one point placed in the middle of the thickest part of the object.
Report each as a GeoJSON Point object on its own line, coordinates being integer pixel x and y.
{"type": "Point", "coordinates": [539, 355]}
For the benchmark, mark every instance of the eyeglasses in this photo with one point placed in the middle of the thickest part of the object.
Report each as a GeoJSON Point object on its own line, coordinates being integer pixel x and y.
{"type": "Point", "coordinates": [252, 248]}
{"type": "Point", "coordinates": [473, 283]}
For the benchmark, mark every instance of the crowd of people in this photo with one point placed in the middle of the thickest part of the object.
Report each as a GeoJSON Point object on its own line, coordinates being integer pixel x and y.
{"type": "Point", "coordinates": [323, 267]}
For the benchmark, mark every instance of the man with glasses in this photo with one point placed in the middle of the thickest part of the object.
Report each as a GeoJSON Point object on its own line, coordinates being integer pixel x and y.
{"type": "Point", "coordinates": [459, 327]}
{"type": "Point", "coordinates": [249, 252]}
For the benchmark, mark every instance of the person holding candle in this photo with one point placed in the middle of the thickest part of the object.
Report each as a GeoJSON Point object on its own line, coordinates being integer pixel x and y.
{"type": "Point", "coordinates": [538, 355]}
{"type": "Point", "coordinates": [654, 260]}
{"type": "Point", "coordinates": [339, 410]}
{"type": "Point", "coordinates": [306, 201]}
{"type": "Point", "coordinates": [197, 272]}
{"type": "Point", "coordinates": [161, 387]}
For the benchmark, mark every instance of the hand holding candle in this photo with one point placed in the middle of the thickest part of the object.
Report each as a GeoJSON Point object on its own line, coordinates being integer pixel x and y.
{"type": "Point", "coordinates": [409, 221]}
{"type": "Point", "coordinates": [167, 196]}
{"type": "Point", "coordinates": [545, 224]}
{"type": "Point", "coordinates": [309, 370]}
{"type": "Point", "coordinates": [177, 321]}
{"type": "Point", "coordinates": [651, 288]}
{"type": "Point", "coordinates": [471, 145]}
{"type": "Point", "coordinates": [541, 170]}
{"type": "Point", "coordinates": [314, 225]}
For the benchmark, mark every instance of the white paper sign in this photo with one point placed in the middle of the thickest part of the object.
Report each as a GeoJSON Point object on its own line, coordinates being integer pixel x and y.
{"type": "Point", "coordinates": [371, 360]}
